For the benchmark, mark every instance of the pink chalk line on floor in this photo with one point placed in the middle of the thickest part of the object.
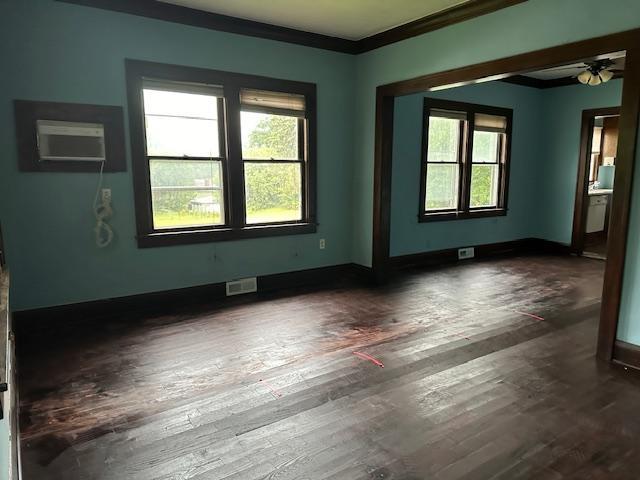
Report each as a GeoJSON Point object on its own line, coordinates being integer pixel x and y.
{"type": "Point", "coordinates": [529, 315]}
{"type": "Point", "coordinates": [366, 356]}
{"type": "Point", "coordinates": [274, 391]}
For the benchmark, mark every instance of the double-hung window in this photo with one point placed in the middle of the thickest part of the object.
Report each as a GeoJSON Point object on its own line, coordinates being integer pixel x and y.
{"type": "Point", "coordinates": [218, 155]}
{"type": "Point", "coordinates": [273, 154]}
{"type": "Point", "coordinates": [465, 159]}
{"type": "Point", "coordinates": [185, 153]}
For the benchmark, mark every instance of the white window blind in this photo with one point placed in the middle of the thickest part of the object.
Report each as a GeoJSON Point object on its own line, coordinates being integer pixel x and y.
{"type": "Point", "coordinates": [490, 123]}
{"type": "Point", "coordinates": [183, 87]}
{"type": "Point", "coordinates": [453, 115]}
{"type": "Point", "coordinates": [276, 102]}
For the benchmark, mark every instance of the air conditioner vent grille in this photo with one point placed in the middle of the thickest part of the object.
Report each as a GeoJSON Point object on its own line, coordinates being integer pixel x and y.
{"type": "Point", "coordinates": [244, 285]}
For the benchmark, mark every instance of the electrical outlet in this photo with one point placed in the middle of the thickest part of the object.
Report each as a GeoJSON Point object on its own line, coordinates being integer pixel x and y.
{"type": "Point", "coordinates": [106, 195]}
{"type": "Point", "coordinates": [322, 244]}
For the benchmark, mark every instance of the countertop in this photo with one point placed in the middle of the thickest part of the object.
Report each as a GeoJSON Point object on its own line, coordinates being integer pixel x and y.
{"type": "Point", "coordinates": [601, 191]}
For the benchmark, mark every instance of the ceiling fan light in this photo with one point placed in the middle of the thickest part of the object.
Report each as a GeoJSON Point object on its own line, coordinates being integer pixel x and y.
{"type": "Point", "coordinates": [584, 77]}
{"type": "Point", "coordinates": [606, 75]}
{"type": "Point", "coordinates": [595, 80]}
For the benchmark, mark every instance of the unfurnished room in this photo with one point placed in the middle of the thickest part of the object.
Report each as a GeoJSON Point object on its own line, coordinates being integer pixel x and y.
{"type": "Point", "coordinates": [353, 239]}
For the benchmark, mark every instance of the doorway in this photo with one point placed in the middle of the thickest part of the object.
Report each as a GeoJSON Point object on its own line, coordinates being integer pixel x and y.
{"type": "Point", "coordinates": [594, 187]}
{"type": "Point", "coordinates": [503, 68]}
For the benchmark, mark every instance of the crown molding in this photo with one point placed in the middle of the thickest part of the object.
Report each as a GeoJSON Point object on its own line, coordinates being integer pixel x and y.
{"type": "Point", "coordinates": [225, 23]}
{"type": "Point", "coordinates": [459, 13]}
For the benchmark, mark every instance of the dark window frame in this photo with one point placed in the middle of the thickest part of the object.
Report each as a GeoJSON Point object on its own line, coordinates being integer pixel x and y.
{"type": "Point", "coordinates": [465, 149]}
{"type": "Point", "coordinates": [233, 183]}
{"type": "Point", "coordinates": [301, 160]}
{"type": "Point", "coordinates": [222, 158]}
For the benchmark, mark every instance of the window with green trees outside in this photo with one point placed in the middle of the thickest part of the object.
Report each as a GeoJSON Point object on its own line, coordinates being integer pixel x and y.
{"type": "Point", "coordinates": [466, 150]}
{"type": "Point", "coordinates": [220, 155]}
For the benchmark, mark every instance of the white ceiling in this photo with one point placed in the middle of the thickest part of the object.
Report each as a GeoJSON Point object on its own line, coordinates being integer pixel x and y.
{"type": "Point", "coordinates": [351, 19]}
{"type": "Point", "coordinates": [574, 69]}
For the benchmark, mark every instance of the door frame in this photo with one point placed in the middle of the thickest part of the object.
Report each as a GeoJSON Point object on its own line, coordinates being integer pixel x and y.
{"type": "Point", "coordinates": [628, 41]}
{"type": "Point", "coordinates": [581, 206]}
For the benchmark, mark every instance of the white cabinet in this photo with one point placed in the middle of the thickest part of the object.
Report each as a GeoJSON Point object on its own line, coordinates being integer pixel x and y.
{"type": "Point", "coordinates": [596, 213]}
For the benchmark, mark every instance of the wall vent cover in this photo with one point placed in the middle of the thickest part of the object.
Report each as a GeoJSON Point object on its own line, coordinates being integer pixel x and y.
{"type": "Point", "coordinates": [464, 253]}
{"type": "Point", "coordinates": [244, 285]}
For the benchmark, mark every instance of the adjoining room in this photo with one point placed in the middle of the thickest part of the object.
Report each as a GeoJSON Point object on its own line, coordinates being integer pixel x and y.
{"type": "Point", "coordinates": [245, 240]}
{"type": "Point", "coordinates": [501, 161]}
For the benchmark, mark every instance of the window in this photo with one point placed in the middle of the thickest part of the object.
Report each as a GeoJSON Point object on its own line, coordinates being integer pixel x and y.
{"type": "Point", "coordinates": [273, 154]}
{"type": "Point", "coordinates": [184, 130]}
{"type": "Point", "coordinates": [219, 155]}
{"type": "Point", "coordinates": [465, 160]}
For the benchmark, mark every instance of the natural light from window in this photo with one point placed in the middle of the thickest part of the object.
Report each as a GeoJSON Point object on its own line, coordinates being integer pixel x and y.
{"type": "Point", "coordinates": [442, 164]}
{"type": "Point", "coordinates": [185, 168]}
{"type": "Point", "coordinates": [484, 169]}
{"type": "Point", "coordinates": [272, 167]}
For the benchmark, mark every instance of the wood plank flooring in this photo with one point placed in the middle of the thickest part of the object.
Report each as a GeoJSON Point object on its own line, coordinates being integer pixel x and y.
{"type": "Point", "coordinates": [474, 386]}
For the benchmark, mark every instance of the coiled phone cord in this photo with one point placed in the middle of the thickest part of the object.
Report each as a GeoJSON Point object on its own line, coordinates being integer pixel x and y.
{"type": "Point", "coordinates": [102, 212]}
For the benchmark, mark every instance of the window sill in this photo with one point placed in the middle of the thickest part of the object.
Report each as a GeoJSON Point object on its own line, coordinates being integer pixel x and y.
{"type": "Point", "coordinates": [448, 216]}
{"type": "Point", "coordinates": [186, 237]}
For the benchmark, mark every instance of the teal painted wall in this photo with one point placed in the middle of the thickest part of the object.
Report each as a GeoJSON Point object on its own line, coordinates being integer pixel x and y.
{"type": "Point", "coordinates": [407, 234]}
{"type": "Point", "coordinates": [562, 114]}
{"type": "Point", "coordinates": [629, 321]}
{"type": "Point", "coordinates": [532, 25]}
{"type": "Point", "coordinates": [529, 26]}
{"type": "Point", "coordinates": [544, 165]}
{"type": "Point", "coordinates": [59, 52]}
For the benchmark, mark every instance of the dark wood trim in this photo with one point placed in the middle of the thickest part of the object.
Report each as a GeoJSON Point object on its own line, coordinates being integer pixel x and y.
{"type": "Point", "coordinates": [225, 23]}
{"type": "Point", "coordinates": [506, 67]}
{"type": "Point", "coordinates": [234, 227]}
{"type": "Point", "coordinates": [544, 84]}
{"type": "Point", "coordinates": [382, 184]}
{"type": "Point", "coordinates": [621, 204]}
{"type": "Point", "coordinates": [450, 255]}
{"type": "Point", "coordinates": [185, 237]}
{"type": "Point", "coordinates": [235, 175]}
{"type": "Point", "coordinates": [465, 162]}
{"type": "Point", "coordinates": [517, 64]}
{"type": "Point", "coordinates": [111, 117]}
{"type": "Point", "coordinates": [582, 181]}
{"type": "Point", "coordinates": [446, 216]}
{"type": "Point", "coordinates": [626, 354]}
{"type": "Point", "coordinates": [199, 296]}
{"type": "Point", "coordinates": [459, 13]}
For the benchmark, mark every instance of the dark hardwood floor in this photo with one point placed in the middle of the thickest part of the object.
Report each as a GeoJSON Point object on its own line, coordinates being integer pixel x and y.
{"type": "Point", "coordinates": [474, 386]}
{"type": "Point", "coordinates": [596, 247]}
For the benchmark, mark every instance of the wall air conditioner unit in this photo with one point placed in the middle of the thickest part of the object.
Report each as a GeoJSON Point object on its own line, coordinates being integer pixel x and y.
{"type": "Point", "coordinates": [70, 141]}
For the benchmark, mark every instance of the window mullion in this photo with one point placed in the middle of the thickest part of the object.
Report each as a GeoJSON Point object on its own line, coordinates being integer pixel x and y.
{"type": "Point", "coordinates": [235, 164]}
{"type": "Point", "coordinates": [501, 171]}
{"type": "Point", "coordinates": [465, 159]}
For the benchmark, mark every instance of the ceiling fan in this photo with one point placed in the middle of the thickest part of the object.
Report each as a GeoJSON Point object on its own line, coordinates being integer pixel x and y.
{"type": "Point", "coordinates": [597, 72]}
